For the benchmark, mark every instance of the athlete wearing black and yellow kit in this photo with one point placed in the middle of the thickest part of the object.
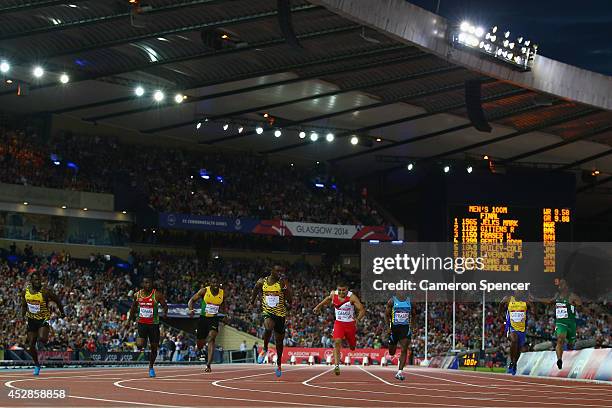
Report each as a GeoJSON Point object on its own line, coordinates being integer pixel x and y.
{"type": "Point", "coordinates": [35, 301]}
{"type": "Point", "coordinates": [208, 324]}
{"type": "Point", "coordinates": [275, 296]}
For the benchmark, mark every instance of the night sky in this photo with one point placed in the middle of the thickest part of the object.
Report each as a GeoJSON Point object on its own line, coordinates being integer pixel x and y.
{"type": "Point", "coordinates": [572, 31]}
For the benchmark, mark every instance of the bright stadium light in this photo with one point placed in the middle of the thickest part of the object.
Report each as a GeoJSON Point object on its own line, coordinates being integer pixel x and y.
{"type": "Point", "coordinates": [410, 166]}
{"type": "Point", "coordinates": [479, 32]}
{"type": "Point", "coordinates": [469, 169]}
{"type": "Point", "coordinates": [64, 78]}
{"type": "Point", "coordinates": [278, 133]}
{"type": "Point", "coordinates": [199, 125]}
{"type": "Point", "coordinates": [329, 137]}
{"type": "Point", "coordinates": [240, 129]}
{"type": "Point", "coordinates": [38, 72]}
{"type": "Point", "coordinates": [259, 130]}
{"type": "Point", "coordinates": [179, 98]}
{"type": "Point", "coordinates": [465, 26]}
{"type": "Point", "coordinates": [354, 140]}
{"type": "Point", "coordinates": [314, 136]}
{"type": "Point", "coordinates": [158, 96]}
{"type": "Point", "coordinates": [302, 135]}
{"type": "Point", "coordinates": [139, 91]}
{"type": "Point", "coordinates": [226, 126]}
{"type": "Point", "coordinates": [446, 169]}
{"type": "Point", "coordinates": [5, 67]}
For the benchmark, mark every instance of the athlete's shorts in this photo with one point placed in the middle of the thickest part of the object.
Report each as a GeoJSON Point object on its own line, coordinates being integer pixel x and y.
{"type": "Point", "coordinates": [398, 333]}
{"type": "Point", "coordinates": [567, 328]}
{"type": "Point", "coordinates": [36, 324]}
{"type": "Point", "coordinates": [279, 322]}
{"type": "Point", "coordinates": [149, 332]}
{"type": "Point", "coordinates": [206, 324]}
{"type": "Point", "coordinates": [519, 334]}
{"type": "Point", "coordinates": [346, 330]}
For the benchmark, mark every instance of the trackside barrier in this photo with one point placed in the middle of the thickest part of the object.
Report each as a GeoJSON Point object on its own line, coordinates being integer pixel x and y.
{"type": "Point", "coordinates": [302, 355]}
{"type": "Point", "coordinates": [588, 364]}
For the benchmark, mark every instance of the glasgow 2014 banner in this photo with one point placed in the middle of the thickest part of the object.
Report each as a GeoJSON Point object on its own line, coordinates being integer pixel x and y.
{"type": "Point", "coordinates": [279, 227]}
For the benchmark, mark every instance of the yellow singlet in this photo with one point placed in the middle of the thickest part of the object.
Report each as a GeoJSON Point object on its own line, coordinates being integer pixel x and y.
{"type": "Point", "coordinates": [211, 303]}
{"type": "Point", "coordinates": [517, 314]}
{"type": "Point", "coordinates": [273, 301]}
{"type": "Point", "coordinates": [38, 308]}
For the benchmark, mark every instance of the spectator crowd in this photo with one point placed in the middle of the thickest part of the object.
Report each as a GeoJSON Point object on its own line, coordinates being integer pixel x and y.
{"type": "Point", "coordinates": [177, 180]}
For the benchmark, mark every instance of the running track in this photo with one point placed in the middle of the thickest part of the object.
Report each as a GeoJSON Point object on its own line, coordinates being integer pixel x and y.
{"type": "Point", "coordinates": [256, 386]}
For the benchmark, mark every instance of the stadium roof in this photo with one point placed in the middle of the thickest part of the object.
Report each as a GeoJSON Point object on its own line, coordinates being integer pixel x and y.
{"type": "Point", "coordinates": [379, 70]}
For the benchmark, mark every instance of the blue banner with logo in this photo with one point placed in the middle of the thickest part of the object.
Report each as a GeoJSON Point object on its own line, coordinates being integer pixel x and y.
{"type": "Point", "coordinates": [207, 223]}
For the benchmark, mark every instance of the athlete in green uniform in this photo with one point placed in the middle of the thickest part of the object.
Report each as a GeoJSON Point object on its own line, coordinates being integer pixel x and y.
{"type": "Point", "coordinates": [565, 303]}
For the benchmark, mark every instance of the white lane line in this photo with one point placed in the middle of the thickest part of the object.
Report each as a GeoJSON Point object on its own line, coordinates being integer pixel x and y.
{"type": "Point", "coordinates": [519, 401]}
{"type": "Point", "coordinates": [402, 394]}
{"type": "Point", "coordinates": [202, 396]}
{"type": "Point", "coordinates": [577, 381]}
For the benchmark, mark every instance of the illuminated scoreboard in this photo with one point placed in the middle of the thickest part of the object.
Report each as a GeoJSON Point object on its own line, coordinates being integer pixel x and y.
{"type": "Point", "coordinates": [491, 225]}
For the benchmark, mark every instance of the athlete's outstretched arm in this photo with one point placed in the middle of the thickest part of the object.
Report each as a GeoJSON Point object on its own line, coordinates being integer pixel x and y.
{"type": "Point", "coordinates": [194, 299]}
{"type": "Point", "coordinates": [288, 292]}
{"type": "Point", "coordinates": [388, 311]}
{"type": "Point", "coordinates": [359, 306]}
{"type": "Point", "coordinates": [134, 306]}
{"type": "Point", "coordinates": [55, 299]}
{"type": "Point", "coordinates": [575, 299]}
{"type": "Point", "coordinates": [24, 305]}
{"type": "Point", "coordinates": [503, 307]}
{"type": "Point", "coordinates": [324, 302]}
{"type": "Point", "coordinates": [532, 309]}
{"type": "Point", "coordinates": [256, 290]}
{"type": "Point", "coordinates": [161, 299]}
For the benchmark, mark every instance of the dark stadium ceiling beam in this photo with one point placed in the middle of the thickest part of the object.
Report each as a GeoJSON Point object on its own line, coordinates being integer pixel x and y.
{"type": "Point", "coordinates": [553, 146]}
{"type": "Point", "coordinates": [333, 71]}
{"type": "Point", "coordinates": [401, 121]}
{"type": "Point", "coordinates": [362, 108]}
{"type": "Point", "coordinates": [336, 92]}
{"type": "Point", "coordinates": [103, 19]}
{"type": "Point", "coordinates": [580, 162]}
{"type": "Point", "coordinates": [595, 184]}
{"type": "Point", "coordinates": [32, 5]}
{"type": "Point", "coordinates": [194, 57]}
{"type": "Point", "coordinates": [226, 22]}
{"type": "Point", "coordinates": [580, 114]}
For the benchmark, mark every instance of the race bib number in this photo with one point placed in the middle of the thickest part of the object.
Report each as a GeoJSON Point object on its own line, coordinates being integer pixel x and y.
{"type": "Point", "coordinates": [562, 312]}
{"type": "Point", "coordinates": [517, 317]}
{"type": "Point", "coordinates": [402, 317]}
{"type": "Point", "coordinates": [146, 312]}
{"type": "Point", "coordinates": [212, 309]}
{"type": "Point", "coordinates": [272, 300]}
{"type": "Point", "coordinates": [343, 315]}
{"type": "Point", "coordinates": [34, 308]}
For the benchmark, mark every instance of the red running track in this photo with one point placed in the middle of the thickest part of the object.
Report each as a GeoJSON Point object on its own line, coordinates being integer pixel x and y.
{"type": "Point", "coordinates": [300, 386]}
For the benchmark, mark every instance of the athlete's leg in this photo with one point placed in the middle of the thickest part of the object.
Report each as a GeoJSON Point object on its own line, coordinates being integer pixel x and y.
{"type": "Point", "coordinates": [212, 335]}
{"type": "Point", "coordinates": [43, 334]}
{"type": "Point", "coordinates": [337, 351]}
{"type": "Point", "coordinates": [404, 354]}
{"type": "Point", "coordinates": [31, 340]}
{"type": "Point", "coordinates": [559, 349]}
{"type": "Point", "coordinates": [154, 340]}
{"type": "Point", "coordinates": [514, 348]}
{"type": "Point", "coordinates": [279, 338]}
{"type": "Point", "coordinates": [269, 327]}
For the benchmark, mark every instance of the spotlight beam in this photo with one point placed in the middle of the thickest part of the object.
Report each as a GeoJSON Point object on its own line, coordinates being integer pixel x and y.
{"type": "Point", "coordinates": [253, 75]}
{"type": "Point", "coordinates": [202, 55]}
{"type": "Point", "coordinates": [358, 87]}
{"type": "Point", "coordinates": [333, 71]}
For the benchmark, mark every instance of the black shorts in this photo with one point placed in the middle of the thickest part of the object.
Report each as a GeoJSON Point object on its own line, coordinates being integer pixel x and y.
{"type": "Point", "coordinates": [279, 322]}
{"type": "Point", "coordinates": [398, 333]}
{"type": "Point", "coordinates": [206, 324]}
{"type": "Point", "coordinates": [149, 332]}
{"type": "Point", "coordinates": [35, 324]}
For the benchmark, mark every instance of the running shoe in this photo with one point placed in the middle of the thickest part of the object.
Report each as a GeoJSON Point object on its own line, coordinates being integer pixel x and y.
{"type": "Point", "coordinates": [513, 372]}
{"type": "Point", "coordinates": [560, 364]}
{"type": "Point", "coordinates": [400, 376]}
{"type": "Point", "coordinates": [278, 371]}
{"type": "Point", "coordinates": [37, 370]}
{"type": "Point", "coordinates": [509, 370]}
{"type": "Point", "coordinates": [262, 356]}
{"type": "Point", "coordinates": [337, 370]}
{"type": "Point", "coordinates": [151, 372]}
{"type": "Point", "coordinates": [207, 369]}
